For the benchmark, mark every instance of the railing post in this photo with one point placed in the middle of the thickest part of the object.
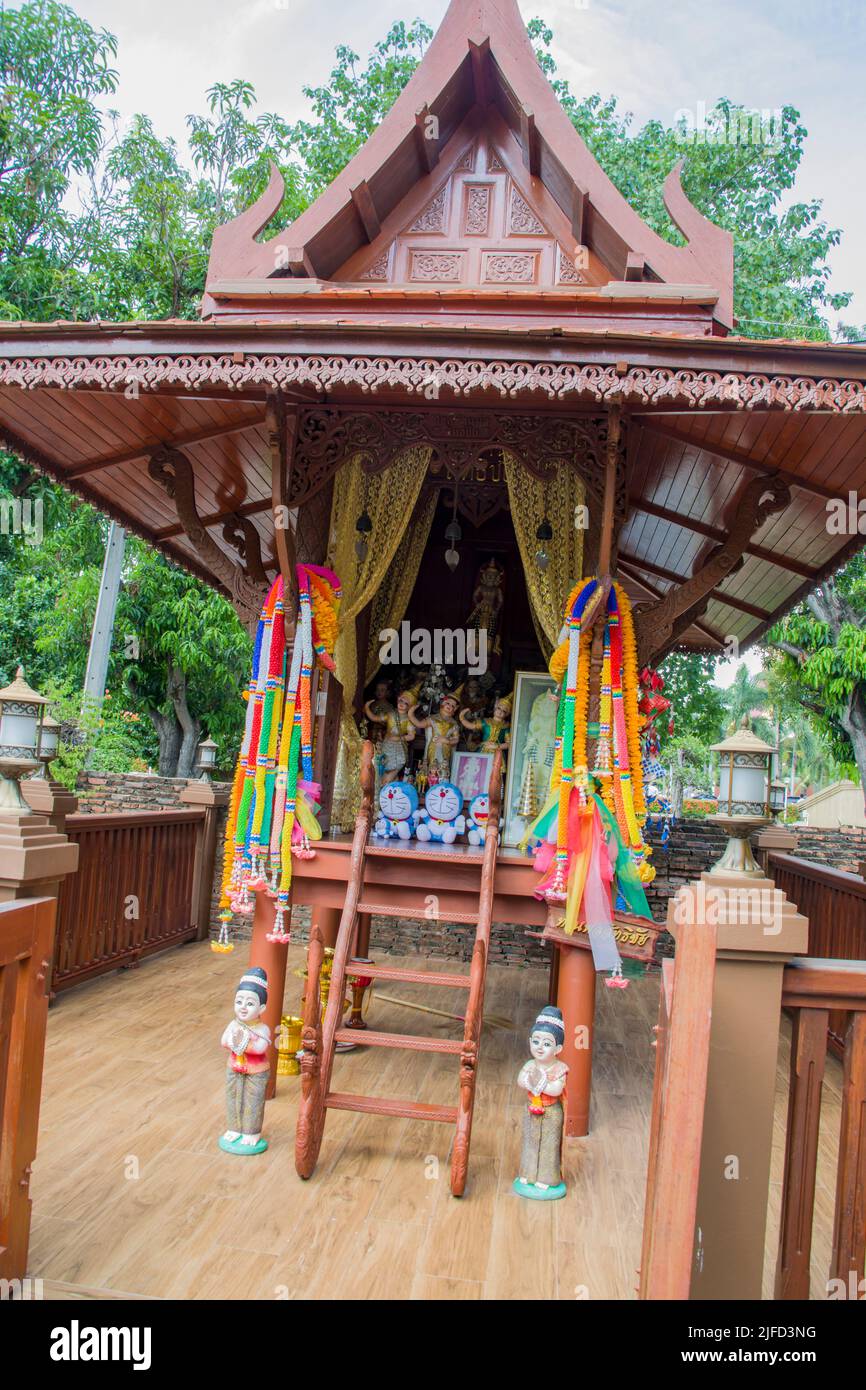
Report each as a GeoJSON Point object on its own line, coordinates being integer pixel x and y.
{"type": "Point", "coordinates": [35, 857]}
{"type": "Point", "coordinates": [774, 839]}
{"type": "Point", "coordinates": [758, 929]}
{"type": "Point", "coordinates": [213, 799]}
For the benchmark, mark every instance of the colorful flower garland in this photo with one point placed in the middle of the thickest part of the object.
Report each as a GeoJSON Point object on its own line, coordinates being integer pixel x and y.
{"type": "Point", "coordinates": [586, 814]}
{"type": "Point", "coordinates": [272, 808]}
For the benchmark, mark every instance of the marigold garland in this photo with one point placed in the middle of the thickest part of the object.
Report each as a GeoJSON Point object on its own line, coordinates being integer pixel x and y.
{"type": "Point", "coordinates": [273, 801]}
{"type": "Point", "coordinates": [578, 871]}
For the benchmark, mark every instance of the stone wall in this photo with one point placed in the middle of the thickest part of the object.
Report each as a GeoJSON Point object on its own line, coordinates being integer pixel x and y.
{"type": "Point", "coordinates": [693, 847]}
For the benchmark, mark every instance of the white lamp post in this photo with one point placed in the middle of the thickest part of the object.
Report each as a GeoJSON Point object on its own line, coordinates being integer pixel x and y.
{"type": "Point", "coordinates": [746, 798]}
{"type": "Point", "coordinates": [21, 713]}
{"type": "Point", "coordinates": [207, 751]}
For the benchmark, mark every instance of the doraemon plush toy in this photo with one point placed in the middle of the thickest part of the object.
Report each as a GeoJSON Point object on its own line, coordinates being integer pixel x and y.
{"type": "Point", "coordinates": [398, 804]}
{"type": "Point", "coordinates": [479, 810]}
{"type": "Point", "coordinates": [441, 818]}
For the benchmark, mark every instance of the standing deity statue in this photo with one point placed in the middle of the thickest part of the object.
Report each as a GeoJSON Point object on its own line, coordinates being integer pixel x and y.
{"type": "Point", "coordinates": [487, 601]}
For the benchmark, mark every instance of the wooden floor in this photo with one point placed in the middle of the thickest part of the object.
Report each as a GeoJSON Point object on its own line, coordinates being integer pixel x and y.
{"type": "Point", "coordinates": [133, 1198]}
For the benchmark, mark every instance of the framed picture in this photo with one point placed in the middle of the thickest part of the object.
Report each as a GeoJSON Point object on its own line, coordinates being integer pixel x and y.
{"type": "Point", "coordinates": [471, 772]}
{"type": "Point", "coordinates": [533, 737]}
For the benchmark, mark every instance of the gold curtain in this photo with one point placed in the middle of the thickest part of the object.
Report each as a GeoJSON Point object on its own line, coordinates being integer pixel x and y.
{"type": "Point", "coordinates": [531, 500]}
{"type": "Point", "coordinates": [389, 499]}
{"type": "Point", "coordinates": [393, 595]}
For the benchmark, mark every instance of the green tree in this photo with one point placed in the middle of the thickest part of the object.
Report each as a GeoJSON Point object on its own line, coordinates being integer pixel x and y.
{"type": "Point", "coordinates": [53, 67]}
{"type": "Point", "coordinates": [820, 663]}
{"type": "Point", "coordinates": [698, 705]}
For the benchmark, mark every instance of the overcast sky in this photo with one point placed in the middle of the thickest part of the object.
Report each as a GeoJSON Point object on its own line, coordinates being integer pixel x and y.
{"type": "Point", "coordinates": [656, 58]}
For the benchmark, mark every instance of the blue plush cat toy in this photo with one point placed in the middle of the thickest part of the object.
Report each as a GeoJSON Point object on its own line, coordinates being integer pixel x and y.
{"type": "Point", "coordinates": [441, 818]}
{"type": "Point", "coordinates": [398, 804]}
{"type": "Point", "coordinates": [476, 820]}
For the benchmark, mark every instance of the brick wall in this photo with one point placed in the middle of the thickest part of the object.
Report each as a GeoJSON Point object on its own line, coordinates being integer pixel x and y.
{"type": "Point", "coordinates": [693, 847]}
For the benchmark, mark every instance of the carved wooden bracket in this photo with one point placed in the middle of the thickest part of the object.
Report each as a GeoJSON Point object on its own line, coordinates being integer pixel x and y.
{"type": "Point", "coordinates": [462, 441]}
{"type": "Point", "coordinates": [173, 471]}
{"type": "Point", "coordinates": [242, 536]}
{"type": "Point", "coordinates": [663, 622]}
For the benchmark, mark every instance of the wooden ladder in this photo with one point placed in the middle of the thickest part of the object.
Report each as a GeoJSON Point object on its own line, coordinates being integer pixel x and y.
{"type": "Point", "coordinates": [320, 1036]}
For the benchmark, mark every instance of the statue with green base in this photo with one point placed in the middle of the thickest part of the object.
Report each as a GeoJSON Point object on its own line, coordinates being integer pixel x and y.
{"type": "Point", "coordinates": [247, 1039]}
{"type": "Point", "coordinates": [543, 1078]}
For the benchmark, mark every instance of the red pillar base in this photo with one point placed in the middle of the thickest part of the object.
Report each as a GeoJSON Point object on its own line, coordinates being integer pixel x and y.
{"type": "Point", "coordinates": [576, 998]}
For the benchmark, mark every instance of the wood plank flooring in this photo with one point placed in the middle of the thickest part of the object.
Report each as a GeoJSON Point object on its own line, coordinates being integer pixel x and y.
{"type": "Point", "coordinates": [133, 1197]}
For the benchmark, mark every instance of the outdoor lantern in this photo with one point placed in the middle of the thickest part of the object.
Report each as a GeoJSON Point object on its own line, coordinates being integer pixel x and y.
{"type": "Point", "coordinates": [543, 535]}
{"type": "Point", "coordinates": [745, 797]}
{"type": "Point", "coordinates": [778, 797]}
{"type": "Point", "coordinates": [48, 743]}
{"type": "Point", "coordinates": [363, 526]}
{"type": "Point", "coordinates": [207, 751]}
{"type": "Point", "coordinates": [21, 711]}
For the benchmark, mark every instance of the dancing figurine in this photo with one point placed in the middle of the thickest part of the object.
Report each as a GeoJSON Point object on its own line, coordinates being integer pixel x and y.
{"type": "Point", "coordinates": [398, 733]}
{"type": "Point", "coordinates": [443, 735]}
{"type": "Point", "coordinates": [247, 1040]}
{"type": "Point", "coordinates": [496, 731]}
{"type": "Point", "coordinates": [543, 1078]}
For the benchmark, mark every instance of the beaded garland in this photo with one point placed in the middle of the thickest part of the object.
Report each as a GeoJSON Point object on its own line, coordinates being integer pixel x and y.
{"type": "Point", "coordinates": [274, 799]}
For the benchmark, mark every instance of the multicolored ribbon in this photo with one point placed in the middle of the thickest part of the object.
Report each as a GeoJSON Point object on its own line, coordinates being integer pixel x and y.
{"type": "Point", "coordinates": [272, 812]}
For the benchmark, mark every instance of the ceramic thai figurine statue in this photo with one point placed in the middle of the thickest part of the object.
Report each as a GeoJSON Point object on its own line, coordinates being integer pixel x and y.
{"type": "Point", "coordinates": [398, 733]}
{"type": "Point", "coordinates": [543, 1078]}
{"type": "Point", "coordinates": [398, 806]}
{"type": "Point", "coordinates": [247, 1040]}
{"type": "Point", "coordinates": [496, 731]}
{"type": "Point", "coordinates": [443, 736]}
{"type": "Point", "coordinates": [442, 817]}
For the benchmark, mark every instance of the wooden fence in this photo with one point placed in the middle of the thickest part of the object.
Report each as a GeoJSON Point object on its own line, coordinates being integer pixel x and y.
{"type": "Point", "coordinates": [137, 890]}
{"type": "Point", "coordinates": [26, 934]}
{"type": "Point", "coordinates": [835, 904]}
{"type": "Point", "coordinates": [813, 990]}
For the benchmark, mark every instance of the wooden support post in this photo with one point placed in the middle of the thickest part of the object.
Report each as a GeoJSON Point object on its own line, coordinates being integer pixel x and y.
{"type": "Point", "coordinates": [605, 544]}
{"type": "Point", "coordinates": [576, 998]}
{"type": "Point", "coordinates": [758, 929]}
{"type": "Point", "coordinates": [362, 949]}
{"type": "Point", "coordinates": [272, 957]}
{"type": "Point", "coordinates": [214, 800]}
{"type": "Point", "coordinates": [327, 919]}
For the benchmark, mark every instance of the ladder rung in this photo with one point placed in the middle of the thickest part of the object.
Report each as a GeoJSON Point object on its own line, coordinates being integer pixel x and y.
{"type": "Point", "coordinates": [409, 977]}
{"type": "Point", "coordinates": [397, 1109]}
{"type": "Point", "coordinates": [416, 914]}
{"type": "Point", "coordinates": [411, 1042]}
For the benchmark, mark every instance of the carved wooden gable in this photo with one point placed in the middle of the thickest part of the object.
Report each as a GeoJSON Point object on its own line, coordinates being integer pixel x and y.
{"type": "Point", "coordinates": [476, 227]}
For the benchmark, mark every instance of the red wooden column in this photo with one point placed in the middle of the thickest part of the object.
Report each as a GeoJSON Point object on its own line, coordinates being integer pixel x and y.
{"type": "Point", "coordinates": [327, 919]}
{"type": "Point", "coordinates": [272, 957]}
{"type": "Point", "coordinates": [576, 997]}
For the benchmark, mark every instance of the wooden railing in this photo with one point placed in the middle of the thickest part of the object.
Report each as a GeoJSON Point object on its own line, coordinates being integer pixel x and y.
{"type": "Point", "coordinates": [679, 1095]}
{"type": "Point", "coordinates": [815, 990]}
{"type": "Point", "coordinates": [133, 894]}
{"type": "Point", "coordinates": [835, 904]}
{"type": "Point", "coordinates": [26, 938]}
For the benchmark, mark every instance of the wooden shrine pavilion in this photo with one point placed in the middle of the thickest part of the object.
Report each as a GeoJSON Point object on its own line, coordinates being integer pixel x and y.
{"type": "Point", "coordinates": [471, 322]}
